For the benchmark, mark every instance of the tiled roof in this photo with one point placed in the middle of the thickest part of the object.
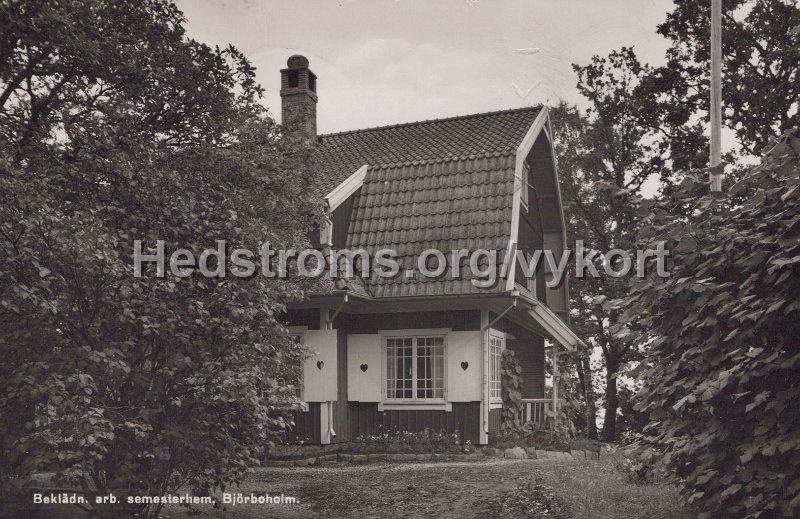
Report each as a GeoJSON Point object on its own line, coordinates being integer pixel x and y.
{"type": "Point", "coordinates": [444, 184]}
{"type": "Point", "coordinates": [339, 155]}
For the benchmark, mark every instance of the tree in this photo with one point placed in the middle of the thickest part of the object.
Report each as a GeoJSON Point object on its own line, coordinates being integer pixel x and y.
{"type": "Point", "coordinates": [647, 122]}
{"type": "Point", "coordinates": [630, 134]}
{"type": "Point", "coordinates": [116, 127]}
{"type": "Point", "coordinates": [761, 65]}
{"type": "Point", "coordinates": [572, 150]}
{"type": "Point", "coordinates": [721, 339]}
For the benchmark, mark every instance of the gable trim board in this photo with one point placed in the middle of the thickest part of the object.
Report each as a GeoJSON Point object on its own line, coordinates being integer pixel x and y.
{"type": "Point", "coordinates": [555, 326]}
{"type": "Point", "coordinates": [344, 190]}
{"type": "Point", "coordinates": [563, 289]}
{"type": "Point", "coordinates": [523, 151]}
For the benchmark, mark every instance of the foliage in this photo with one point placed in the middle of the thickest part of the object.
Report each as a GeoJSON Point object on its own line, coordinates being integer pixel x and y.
{"type": "Point", "coordinates": [721, 338]}
{"type": "Point", "coordinates": [760, 67]}
{"type": "Point", "coordinates": [511, 391]}
{"type": "Point", "coordinates": [641, 469]}
{"type": "Point", "coordinates": [401, 440]}
{"type": "Point", "coordinates": [631, 420]}
{"type": "Point", "coordinates": [557, 430]}
{"type": "Point", "coordinates": [117, 127]}
{"type": "Point", "coordinates": [529, 498]}
{"type": "Point", "coordinates": [605, 157]}
{"type": "Point", "coordinates": [646, 122]}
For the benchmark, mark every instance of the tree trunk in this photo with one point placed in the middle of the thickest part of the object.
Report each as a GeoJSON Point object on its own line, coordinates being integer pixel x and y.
{"type": "Point", "coordinates": [583, 369]}
{"type": "Point", "coordinates": [588, 395]}
{"type": "Point", "coordinates": [612, 402]}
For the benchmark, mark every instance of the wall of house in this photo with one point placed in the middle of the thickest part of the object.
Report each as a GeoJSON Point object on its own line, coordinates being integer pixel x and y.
{"type": "Point", "coordinates": [460, 320]}
{"type": "Point", "coordinates": [302, 317]}
{"type": "Point", "coordinates": [306, 426]}
{"type": "Point", "coordinates": [355, 414]}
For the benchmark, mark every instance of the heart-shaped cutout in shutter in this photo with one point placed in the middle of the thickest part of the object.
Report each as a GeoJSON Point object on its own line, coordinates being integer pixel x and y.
{"type": "Point", "coordinates": [320, 364]}
{"type": "Point", "coordinates": [364, 368]}
{"type": "Point", "coordinates": [464, 365]}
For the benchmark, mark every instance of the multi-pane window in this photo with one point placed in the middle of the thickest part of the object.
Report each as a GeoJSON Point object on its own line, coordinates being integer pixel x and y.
{"type": "Point", "coordinates": [415, 368]}
{"type": "Point", "coordinates": [495, 361]}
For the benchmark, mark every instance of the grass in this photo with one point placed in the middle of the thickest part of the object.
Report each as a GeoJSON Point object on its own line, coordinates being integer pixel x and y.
{"type": "Point", "coordinates": [494, 488]}
{"type": "Point", "coordinates": [599, 490]}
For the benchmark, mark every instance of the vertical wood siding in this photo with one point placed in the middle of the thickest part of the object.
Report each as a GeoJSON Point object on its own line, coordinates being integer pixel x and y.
{"type": "Point", "coordinates": [462, 320]}
{"type": "Point", "coordinates": [341, 221]}
{"type": "Point", "coordinates": [464, 419]}
{"type": "Point", "coordinates": [306, 426]}
{"type": "Point", "coordinates": [302, 317]}
{"type": "Point", "coordinates": [495, 419]}
{"type": "Point", "coordinates": [530, 353]}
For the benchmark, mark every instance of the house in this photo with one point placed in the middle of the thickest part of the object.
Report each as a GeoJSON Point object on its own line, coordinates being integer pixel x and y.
{"type": "Point", "coordinates": [414, 352]}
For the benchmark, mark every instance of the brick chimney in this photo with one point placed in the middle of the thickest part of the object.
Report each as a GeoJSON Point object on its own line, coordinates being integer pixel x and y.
{"type": "Point", "coordinates": [299, 99]}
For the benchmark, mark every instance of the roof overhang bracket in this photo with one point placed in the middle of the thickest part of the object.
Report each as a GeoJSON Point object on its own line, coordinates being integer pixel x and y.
{"type": "Point", "coordinates": [510, 307]}
{"type": "Point", "coordinates": [339, 308]}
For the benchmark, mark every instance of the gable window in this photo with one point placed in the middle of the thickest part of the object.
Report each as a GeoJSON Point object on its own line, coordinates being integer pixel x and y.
{"type": "Point", "coordinates": [415, 368]}
{"type": "Point", "coordinates": [526, 183]}
{"type": "Point", "coordinates": [496, 347]}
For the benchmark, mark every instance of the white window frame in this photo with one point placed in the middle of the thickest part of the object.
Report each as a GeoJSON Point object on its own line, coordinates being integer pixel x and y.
{"type": "Point", "coordinates": [495, 369]}
{"type": "Point", "coordinates": [388, 404]}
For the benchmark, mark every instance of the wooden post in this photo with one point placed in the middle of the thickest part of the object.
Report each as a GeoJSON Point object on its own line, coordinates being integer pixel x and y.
{"type": "Point", "coordinates": [556, 378]}
{"type": "Point", "coordinates": [714, 175]}
{"type": "Point", "coordinates": [483, 432]}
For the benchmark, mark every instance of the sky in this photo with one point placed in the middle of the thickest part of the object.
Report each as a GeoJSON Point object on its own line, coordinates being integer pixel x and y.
{"type": "Point", "coordinates": [381, 62]}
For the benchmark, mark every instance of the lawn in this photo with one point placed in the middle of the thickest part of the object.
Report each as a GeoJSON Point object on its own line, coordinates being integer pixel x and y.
{"type": "Point", "coordinates": [493, 488]}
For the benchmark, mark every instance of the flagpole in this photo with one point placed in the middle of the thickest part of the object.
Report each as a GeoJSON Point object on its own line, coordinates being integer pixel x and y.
{"type": "Point", "coordinates": [715, 174]}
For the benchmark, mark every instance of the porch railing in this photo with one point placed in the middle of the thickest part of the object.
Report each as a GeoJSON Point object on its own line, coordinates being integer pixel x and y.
{"type": "Point", "coordinates": [536, 410]}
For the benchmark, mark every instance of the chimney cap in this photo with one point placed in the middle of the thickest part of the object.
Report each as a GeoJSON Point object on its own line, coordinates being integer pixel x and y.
{"type": "Point", "coordinates": [297, 61]}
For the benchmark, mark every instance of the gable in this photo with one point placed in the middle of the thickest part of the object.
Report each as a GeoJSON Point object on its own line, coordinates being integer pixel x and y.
{"type": "Point", "coordinates": [445, 185]}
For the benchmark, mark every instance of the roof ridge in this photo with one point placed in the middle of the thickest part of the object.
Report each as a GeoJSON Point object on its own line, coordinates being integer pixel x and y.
{"type": "Point", "coordinates": [443, 159]}
{"type": "Point", "coordinates": [428, 121]}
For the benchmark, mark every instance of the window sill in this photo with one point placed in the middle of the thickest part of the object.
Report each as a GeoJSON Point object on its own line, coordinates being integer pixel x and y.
{"type": "Point", "coordinates": [414, 406]}
{"type": "Point", "coordinates": [496, 404]}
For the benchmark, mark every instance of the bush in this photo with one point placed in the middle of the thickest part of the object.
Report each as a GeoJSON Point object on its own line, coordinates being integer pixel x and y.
{"type": "Point", "coordinates": [721, 339]}
{"type": "Point", "coordinates": [117, 127]}
{"type": "Point", "coordinates": [638, 468]}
